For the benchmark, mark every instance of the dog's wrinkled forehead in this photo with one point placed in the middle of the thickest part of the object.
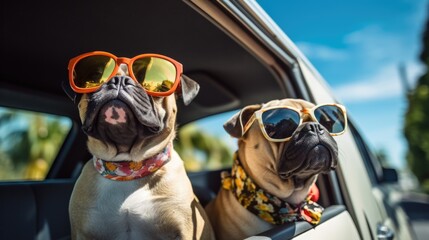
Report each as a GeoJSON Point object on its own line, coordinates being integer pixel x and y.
{"type": "Point", "coordinates": [295, 103]}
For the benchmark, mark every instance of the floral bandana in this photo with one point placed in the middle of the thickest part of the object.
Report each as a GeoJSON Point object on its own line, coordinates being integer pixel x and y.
{"type": "Point", "coordinates": [130, 170]}
{"type": "Point", "coordinates": [268, 207]}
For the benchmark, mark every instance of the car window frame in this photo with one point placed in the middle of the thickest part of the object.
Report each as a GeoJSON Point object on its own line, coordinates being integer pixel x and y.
{"type": "Point", "coordinates": [373, 167]}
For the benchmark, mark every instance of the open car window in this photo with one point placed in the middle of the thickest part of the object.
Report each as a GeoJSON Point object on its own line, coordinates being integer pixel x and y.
{"type": "Point", "coordinates": [29, 143]}
{"type": "Point", "coordinates": [205, 145]}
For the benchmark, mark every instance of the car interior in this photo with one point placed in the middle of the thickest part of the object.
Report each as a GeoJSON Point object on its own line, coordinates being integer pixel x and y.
{"type": "Point", "coordinates": [39, 38]}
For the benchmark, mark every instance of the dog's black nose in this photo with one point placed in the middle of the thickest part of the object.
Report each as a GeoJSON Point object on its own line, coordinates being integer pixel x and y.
{"type": "Point", "coordinates": [313, 127]}
{"type": "Point", "coordinates": [120, 82]}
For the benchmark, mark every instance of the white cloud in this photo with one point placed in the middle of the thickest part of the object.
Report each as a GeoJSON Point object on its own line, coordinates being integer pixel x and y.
{"type": "Point", "coordinates": [374, 45]}
{"type": "Point", "coordinates": [317, 51]}
{"type": "Point", "coordinates": [383, 84]}
{"type": "Point", "coordinates": [377, 54]}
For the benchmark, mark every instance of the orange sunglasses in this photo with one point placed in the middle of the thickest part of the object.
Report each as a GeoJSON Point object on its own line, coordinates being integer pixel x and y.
{"type": "Point", "coordinates": [159, 75]}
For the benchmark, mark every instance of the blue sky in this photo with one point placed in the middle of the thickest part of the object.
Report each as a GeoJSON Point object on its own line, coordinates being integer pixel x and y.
{"type": "Point", "coordinates": [357, 47]}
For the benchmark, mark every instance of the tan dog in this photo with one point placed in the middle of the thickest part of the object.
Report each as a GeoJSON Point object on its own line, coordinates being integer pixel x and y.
{"type": "Point", "coordinates": [136, 186]}
{"type": "Point", "coordinates": [269, 179]}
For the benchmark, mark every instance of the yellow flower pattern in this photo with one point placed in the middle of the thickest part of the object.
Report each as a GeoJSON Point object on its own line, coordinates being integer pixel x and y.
{"type": "Point", "coordinates": [130, 170]}
{"type": "Point", "coordinates": [265, 207]}
{"type": "Point", "coordinates": [268, 207]}
{"type": "Point", "coordinates": [260, 196]}
{"type": "Point", "coordinates": [135, 166]}
{"type": "Point", "coordinates": [110, 166]}
{"type": "Point", "coordinates": [267, 217]}
{"type": "Point", "coordinates": [250, 185]}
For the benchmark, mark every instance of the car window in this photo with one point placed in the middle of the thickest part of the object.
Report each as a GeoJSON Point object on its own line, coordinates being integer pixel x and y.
{"type": "Point", "coordinates": [205, 145]}
{"type": "Point", "coordinates": [373, 167]}
{"type": "Point", "coordinates": [29, 143]}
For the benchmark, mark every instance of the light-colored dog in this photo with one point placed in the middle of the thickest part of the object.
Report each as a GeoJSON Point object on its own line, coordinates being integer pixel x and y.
{"type": "Point", "coordinates": [136, 186]}
{"type": "Point", "coordinates": [267, 174]}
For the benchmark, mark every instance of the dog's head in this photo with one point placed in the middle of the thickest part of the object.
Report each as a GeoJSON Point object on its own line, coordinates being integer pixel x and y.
{"type": "Point", "coordinates": [287, 168]}
{"type": "Point", "coordinates": [124, 122]}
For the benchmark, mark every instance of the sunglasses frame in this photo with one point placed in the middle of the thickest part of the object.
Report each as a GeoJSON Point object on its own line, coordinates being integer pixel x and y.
{"type": "Point", "coordinates": [257, 115]}
{"type": "Point", "coordinates": [129, 62]}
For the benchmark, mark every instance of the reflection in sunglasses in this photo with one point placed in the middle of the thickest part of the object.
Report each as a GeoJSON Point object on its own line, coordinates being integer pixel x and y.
{"type": "Point", "coordinates": [93, 71]}
{"type": "Point", "coordinates": [158, 74]}
{"type": "Point", "coordinates": [332, 118]}
{"type": "Point", "coordinates": [279, 123]}
{"type": "Point", "coordinates": [281, 129]}
{"type": "Point", "coordinates": [155, 74]}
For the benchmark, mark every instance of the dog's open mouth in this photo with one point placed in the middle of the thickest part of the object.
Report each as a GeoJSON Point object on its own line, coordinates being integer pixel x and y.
{"type": "Point", "coordinates": [121, 120]}
{"type": "Point", "coordinates": [121, 112]}
{"type": "Point", "coordinates": [108, 112]}
{"type": "Point", "coordinates": [115, 122]}
{"type": "Point", "coordinates": [115, 113]}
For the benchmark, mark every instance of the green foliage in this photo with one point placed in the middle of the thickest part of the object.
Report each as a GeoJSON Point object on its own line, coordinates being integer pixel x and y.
{"type": "Point", "coordinates": [200, 150]}
{"type": "Point", "coordinates": [29, 143]}
{"type": "Point", "coordinates": [416, 127]}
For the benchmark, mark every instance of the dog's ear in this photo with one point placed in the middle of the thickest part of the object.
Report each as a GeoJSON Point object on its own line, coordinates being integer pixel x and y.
{"type": "Point", "coordinates": [234, 126]}
{"type": "Point", "coordinates": [190, 89]}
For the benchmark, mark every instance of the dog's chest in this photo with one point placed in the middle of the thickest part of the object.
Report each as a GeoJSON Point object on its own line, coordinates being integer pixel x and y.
{"type": "Point", "coordinates": [125, 198]}
{"type": "Point", "coordinates": [128, 210]}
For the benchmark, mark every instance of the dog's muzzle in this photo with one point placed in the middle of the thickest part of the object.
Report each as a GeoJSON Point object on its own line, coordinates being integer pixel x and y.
{"type": "Point", "coordinates": [123, 107]}
{"type": "Point", "coordinates": [310, 151]}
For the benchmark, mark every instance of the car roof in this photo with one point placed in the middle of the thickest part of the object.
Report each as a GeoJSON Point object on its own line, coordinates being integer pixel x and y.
{"type": "Point", "coordinates": [39, 38]}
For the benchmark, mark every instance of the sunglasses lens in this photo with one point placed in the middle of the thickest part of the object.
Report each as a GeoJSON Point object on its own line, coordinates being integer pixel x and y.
{"type": "Point", "coordinates": [155, 74]}
{"type": "Point", "coordinates": [93, 71]}
{"type": "Point", "coordinates": [280, 123]}
{"type": "Point", "coordinates": [331, 117]}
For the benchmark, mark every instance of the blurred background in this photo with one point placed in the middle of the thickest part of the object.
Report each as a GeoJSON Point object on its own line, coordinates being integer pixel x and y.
{"type": "Point", "coordinates": [374, 55]}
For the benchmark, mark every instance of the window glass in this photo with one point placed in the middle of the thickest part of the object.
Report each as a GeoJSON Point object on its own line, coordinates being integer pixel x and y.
{"type": "Point", "coordinates": [205, 145]}
{"type": "Point", "coordinates": [372, 165]}
{"type": "Point", "coordinates": [29, 143]}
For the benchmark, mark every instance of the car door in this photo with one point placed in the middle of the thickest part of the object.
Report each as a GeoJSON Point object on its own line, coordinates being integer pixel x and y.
{"type": "Point", "coordinates": [385, 189]}
{"type": "Point", "coordinates": [355, 182]}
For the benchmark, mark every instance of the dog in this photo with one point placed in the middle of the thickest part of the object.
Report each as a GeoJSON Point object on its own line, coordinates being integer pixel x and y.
{"type": "Point", "coordinates": [267, 174]}
{"type": "Point", "coordinates": [136, 186]}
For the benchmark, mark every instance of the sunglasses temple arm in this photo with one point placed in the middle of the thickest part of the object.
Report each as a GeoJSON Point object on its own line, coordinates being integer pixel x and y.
{"type": "Point", "coordinates": [69, 92]}
{"type": "Point", "coordinates": [248, 124]}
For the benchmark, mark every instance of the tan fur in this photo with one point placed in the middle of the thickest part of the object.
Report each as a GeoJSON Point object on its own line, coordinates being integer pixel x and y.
{"type": "Point", "coordinates": [160, 207]}
{"type": "Point", "coordinates": [229, 219]}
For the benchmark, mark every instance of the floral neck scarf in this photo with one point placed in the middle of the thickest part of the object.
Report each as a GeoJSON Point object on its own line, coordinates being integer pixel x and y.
{"type": "Point", "coordinates": [130, 170]}
{"type": "Point", "coordinates": [265, 205]}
